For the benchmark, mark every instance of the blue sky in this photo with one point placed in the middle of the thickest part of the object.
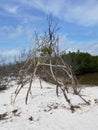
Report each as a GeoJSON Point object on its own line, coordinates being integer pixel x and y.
{"type": "Point", "coordinates": [78, 21]}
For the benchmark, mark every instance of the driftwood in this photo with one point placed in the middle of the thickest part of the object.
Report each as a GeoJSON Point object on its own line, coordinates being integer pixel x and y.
{"type": "Point", "coordinates": [46, 63]}
{"type": "Point", "coordinates": [51, 76]}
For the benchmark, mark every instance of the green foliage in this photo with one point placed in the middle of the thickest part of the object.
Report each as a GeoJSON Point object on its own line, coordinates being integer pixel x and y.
{"type": "Point", "coordinates": [82, 62]}
{"type": "Point", "coordinates": [46, 50]}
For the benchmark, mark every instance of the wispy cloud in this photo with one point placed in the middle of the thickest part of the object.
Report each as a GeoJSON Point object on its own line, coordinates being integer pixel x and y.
{"type": "Point", "coordinates": [68, 45]}
{"type": "Point", "coordinates": [16, 32]}
{"type": "Point", "coordinates": [83, 12]}
{"type": "Point", "coordinates": [10, 53]}
{"type": "Point", "coordinates": [93, 48]}
{"type": "Point", "coordinates": [9, 56]}
{"type": "Point", "coordinates": [11, 32]}
{"type": "Point", "coordinates": [11, 9]}
{"type": "Point", "coordinates": [25, 16]}
{"type": "Point", "coordinates": [82, 47]}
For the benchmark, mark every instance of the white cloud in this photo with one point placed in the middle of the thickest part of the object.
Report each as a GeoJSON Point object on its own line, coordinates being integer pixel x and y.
{"type": "Point", "coordinates": [10, 9]}
{"type": "Point", "coordinates": [11, 32]}
{"type": "Point", "coordinates": [83, 13]}
{"type": "Point", "coordinates": [68, 45]}
{"type": "Point", "coordinates": [7, 56]}
{"type": "Point", "coordinates": [93, 48]}
{"type": "Point", "coordinates": [9, 53]}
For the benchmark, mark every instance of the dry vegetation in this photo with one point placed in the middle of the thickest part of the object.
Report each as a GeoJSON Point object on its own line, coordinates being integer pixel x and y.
{"type": "Point", "coordinates": [46, 63]}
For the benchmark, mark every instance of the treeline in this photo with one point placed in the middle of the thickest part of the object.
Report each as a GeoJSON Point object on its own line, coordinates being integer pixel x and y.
{"type": "Point", "coordinates": [81, 62]}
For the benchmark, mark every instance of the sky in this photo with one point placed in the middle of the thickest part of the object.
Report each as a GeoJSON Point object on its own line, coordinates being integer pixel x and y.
{"type": "Point", "coordinates": [77, 19]}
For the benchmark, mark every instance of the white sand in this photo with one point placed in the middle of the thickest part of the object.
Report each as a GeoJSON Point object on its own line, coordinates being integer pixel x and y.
{"type": "Point", "coordinates": [47, 111]}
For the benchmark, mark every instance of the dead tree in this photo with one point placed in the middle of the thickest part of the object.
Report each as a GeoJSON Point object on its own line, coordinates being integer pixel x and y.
{"type": "Point", "coordinates": [46, 63]}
